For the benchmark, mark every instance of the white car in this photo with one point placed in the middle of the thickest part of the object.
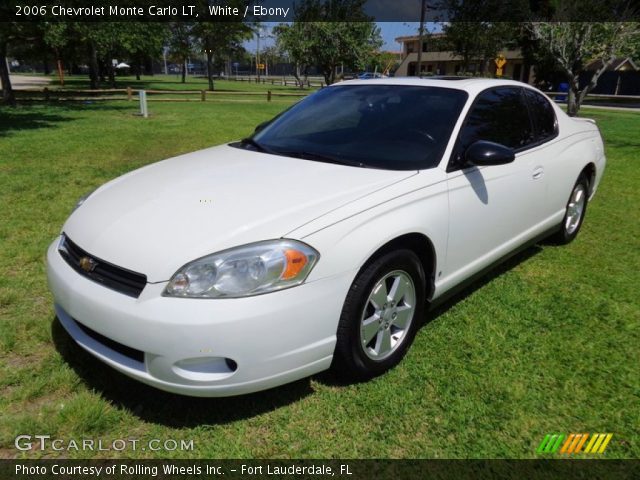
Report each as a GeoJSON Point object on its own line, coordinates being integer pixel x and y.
{"type": "Point", "coordinates": [320, 240]}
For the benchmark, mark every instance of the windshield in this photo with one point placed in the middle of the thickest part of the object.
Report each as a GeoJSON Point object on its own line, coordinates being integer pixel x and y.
{"type": "Point", "coordinates": [395, 127]}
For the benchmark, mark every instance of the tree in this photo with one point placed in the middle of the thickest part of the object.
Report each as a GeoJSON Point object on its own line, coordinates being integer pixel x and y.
{"type": "Point", "coordinates": [477, 41]}
{"type": "Point", "coordinates": [220, 38]}
{"type": "Point", "coordinates": [348, 44]}
{"type": "Point", "coordinates": [382, 62]}
{"type": "Point", "coordinates": [181, 44]}
{"type": "Point", "coordinates": [8, 97]}
{"type": "Point", "coordinates": [98, 44]}
{"type": "Point", "coordinates": [11, 33]}
{"type": "Point", "coordinates": [55, 36]}
{"type": "Point", "coordinates": [272, 55]}
{"type": "Point", "coordinates": [141, 40]}
{"type": "Point", "coordinates": [575, 44]}
{"type": "Point", "coordinates": [472, 36]}
{"type": "Point", "coordinates": [295, 41]}
{"type": "Point", "coordinates": [347, 37]}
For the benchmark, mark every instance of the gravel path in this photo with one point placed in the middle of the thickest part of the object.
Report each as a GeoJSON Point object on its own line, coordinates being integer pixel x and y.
{"type": "Point", "coordinates": [22, 82]}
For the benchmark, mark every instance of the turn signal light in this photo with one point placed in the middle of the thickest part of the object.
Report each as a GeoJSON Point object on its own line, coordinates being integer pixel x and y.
{"type": "Point", "coordinates": [296, 260]}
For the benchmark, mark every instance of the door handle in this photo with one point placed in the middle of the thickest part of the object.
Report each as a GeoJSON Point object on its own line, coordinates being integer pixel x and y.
{"type": "Point", "coordinates": [537, 173]}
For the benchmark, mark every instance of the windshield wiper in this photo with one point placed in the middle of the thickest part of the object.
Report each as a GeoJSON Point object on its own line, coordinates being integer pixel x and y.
{"type": "Point", "coordinates": [258, 146]}
{"type": "Point", "coordinates": [323, 158]}
{"type": "Point", "coordinates": [302, 154]}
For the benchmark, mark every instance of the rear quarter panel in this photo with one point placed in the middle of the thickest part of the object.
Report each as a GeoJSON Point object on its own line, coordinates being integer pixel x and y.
{"type": "Point", "coordinates": [578, 144]}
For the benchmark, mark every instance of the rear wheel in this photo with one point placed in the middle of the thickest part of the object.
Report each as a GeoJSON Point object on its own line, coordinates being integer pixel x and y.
{"type": "Point", "coordinates": [380, 316]}
{"type": "Point", "coordinates": [575, 212]}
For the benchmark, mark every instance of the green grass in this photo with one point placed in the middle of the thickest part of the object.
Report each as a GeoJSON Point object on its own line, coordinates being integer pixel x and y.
{"type": "Point", "coordinates": [549, 343]}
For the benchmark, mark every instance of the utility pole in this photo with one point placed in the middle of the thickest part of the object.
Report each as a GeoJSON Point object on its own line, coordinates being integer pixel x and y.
{"type": "Point", "coordinates": [423, 11]}
{"type": "Point", "coordinates": [164, 58]}
{"type": "Point", "coordinates": [258, 54]}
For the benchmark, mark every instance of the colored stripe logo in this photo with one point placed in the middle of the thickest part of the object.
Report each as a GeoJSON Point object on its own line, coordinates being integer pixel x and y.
{"type": "Point", "coordinates": [575, 443]}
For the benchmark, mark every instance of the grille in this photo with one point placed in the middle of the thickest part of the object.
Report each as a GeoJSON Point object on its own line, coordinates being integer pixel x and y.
{"type": "Point", "coordinates": [102, 272]}
{"type": "Point", "coordinates": [129, 352]}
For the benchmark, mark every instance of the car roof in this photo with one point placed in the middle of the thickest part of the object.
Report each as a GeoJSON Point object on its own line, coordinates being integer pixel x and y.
{"type": "Point", "coordinates": [472, 85]}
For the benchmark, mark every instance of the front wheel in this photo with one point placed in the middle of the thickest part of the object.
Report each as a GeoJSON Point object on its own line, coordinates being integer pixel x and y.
{"type": "Point", "coordinates": [575, 212]}
{"type": "Point", "coordinates": [381, 315]}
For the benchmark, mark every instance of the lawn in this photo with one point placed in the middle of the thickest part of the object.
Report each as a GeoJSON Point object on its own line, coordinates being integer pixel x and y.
{"type": "Point", "coordinates": [549, 343]}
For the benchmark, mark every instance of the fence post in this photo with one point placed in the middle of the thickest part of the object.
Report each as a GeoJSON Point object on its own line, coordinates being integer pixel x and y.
{"type": "Point", "coordinates": [203, 95]}
{"type": "Point", "coordinates": [143, 103]}
{"type": "Point", "coordinates": [129, 94]}
{"type": "Point", "coordinates": [268, 95]}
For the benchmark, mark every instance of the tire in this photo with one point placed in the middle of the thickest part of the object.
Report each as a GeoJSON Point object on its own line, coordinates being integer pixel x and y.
{"type": "Point", "coordinates": [575, 212]}
{"type": "Point", "coordinates": [377, 328]}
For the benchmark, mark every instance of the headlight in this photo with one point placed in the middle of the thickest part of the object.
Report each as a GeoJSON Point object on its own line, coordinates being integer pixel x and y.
{"type": "Point", "coordinates": [82, 199]}
{"type": "Point", "coordinates": [244, 271]}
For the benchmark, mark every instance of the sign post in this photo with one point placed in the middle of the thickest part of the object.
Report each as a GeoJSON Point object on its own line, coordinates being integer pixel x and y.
{"type": "Point", "coordinates": [500, 61]}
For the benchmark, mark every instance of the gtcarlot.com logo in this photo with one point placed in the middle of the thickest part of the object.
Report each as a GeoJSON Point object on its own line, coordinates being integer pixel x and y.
{"type": "Point", "coordinates": [575, 443]}
{"type": "Point", "coordinates": [45, 442]}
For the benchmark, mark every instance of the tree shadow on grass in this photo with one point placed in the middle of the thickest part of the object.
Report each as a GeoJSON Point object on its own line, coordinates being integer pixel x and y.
{"type": "Point", "coordinates": [34, 116]}
{"type": "Point", "coordinates": [332, 378]}
{"type": "Point", "coordinates": [168, 409]}
{"type": "Point", "coordinates": [13, 120]}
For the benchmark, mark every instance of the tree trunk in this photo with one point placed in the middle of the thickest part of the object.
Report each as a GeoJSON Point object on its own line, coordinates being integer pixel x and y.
{"type": "Point", "coordinates": [60, 70]}
{"type": "Point", "coordinates": [8, 97]}
{"type": "Point", "coordinates": [184, 71]}
{"type": "Point", "coordinates": [572, 104]}
{"type": "Point", "coordinates": [328, 72]}
{"type": "Point", "coordinates": [577, 96]}
{"type": "Point", "coordinates": [296, 74]}
{"type": "Point", "coordinates": [93, 66]}
{"type": "Point", "coordinates": [210, 69]}
{"type": "Point", "coordinates": [112, 73]}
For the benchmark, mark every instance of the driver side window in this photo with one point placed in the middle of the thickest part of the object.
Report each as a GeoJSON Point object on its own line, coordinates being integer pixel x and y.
{"type": "Point", "coordinates": [498, 115]}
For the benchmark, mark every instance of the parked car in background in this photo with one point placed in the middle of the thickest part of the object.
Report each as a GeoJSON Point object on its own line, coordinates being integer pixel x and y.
{"type": "Point", "coordinates": [370, 75]}
{"type": "Point", "coordinates": [319, 241]}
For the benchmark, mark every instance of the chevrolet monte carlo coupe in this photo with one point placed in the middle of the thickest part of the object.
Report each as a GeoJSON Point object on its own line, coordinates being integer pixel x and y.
{"type": "Point", "coordinates": [320, 240]}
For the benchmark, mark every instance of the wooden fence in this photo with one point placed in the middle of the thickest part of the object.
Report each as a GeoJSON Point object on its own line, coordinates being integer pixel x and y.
{"type": "Point", "coordinates": [285, 82]}
{"type": "Point", "coordinates": [153, 95]}
{"type": "Point", "coordinates": [129, 94]}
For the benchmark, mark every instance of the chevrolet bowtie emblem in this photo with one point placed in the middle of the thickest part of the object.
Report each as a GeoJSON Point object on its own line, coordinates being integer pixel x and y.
{"type": "Point", "coordinates": [88, 264]}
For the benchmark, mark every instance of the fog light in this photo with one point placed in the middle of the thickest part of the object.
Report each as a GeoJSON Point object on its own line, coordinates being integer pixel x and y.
{"type": "Point", "coordinates": [205, 369]}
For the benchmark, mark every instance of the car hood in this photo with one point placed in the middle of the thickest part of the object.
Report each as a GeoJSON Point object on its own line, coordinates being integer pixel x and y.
{"type": "Point", "coordinates": [162, 216]}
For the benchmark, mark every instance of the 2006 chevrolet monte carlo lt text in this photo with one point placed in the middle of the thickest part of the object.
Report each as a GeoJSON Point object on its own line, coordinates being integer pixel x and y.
{"type": "Point", "coordinates": [328, 233]}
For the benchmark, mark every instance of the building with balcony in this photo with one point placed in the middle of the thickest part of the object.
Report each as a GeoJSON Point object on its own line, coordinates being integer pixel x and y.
{"type": "Point", "coordinates": [436, 60]}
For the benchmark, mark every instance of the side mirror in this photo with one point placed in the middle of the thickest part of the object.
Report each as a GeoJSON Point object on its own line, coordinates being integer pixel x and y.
{"type": "Point", "coordinates": [483, 153]}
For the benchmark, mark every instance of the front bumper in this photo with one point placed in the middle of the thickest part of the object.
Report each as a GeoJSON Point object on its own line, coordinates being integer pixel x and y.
{"type": "Point", "coordinates": [202, 347]}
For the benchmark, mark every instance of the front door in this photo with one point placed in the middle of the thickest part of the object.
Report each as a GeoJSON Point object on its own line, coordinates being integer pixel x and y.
{"type": "Point", "coordinates": [492, 209]}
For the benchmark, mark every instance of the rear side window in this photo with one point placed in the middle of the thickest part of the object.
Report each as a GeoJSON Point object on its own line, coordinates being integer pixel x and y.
{"type": "Point", "coordinates": [498, 115]}
{"type": "Point", "coordinates": [543, 115]}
